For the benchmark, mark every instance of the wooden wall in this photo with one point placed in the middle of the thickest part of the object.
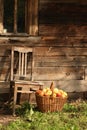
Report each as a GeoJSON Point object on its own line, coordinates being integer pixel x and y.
{"type": "Point", "coordinates": [63, 59]}
{"type": "Point", "coordinates": [60, 50]}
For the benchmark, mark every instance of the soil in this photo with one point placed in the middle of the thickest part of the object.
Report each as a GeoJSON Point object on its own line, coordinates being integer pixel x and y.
{"type": "Point", "coordinates": [6, 114]}
{"type": "Point", "coordinates": [6, 119]}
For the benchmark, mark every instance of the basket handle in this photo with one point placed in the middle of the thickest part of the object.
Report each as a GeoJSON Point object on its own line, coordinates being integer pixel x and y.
{"type": "Point", "coordinates": [52, 86]}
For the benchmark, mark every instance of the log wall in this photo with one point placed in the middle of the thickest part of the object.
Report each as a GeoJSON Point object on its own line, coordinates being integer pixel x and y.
{"type": "Point", "coordinates": [63, 28]}
{"type": "Point", "coordinates": [60, 50]}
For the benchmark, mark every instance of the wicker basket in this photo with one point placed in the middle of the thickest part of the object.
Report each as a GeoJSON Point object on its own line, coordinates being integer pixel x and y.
{"type": "Point", "coordinates": [50, 104]}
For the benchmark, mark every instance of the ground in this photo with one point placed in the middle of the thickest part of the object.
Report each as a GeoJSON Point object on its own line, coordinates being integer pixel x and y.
{"type": "Point", "coordinates": [5, 119]}
{"type": "Point", "coordinates": [6, 114]}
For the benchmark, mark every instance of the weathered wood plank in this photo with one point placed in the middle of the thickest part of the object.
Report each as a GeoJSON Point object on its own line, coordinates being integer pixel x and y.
{"type": "Point", "coordinates": [4, 90]}
{"type": "Point", "coordinates": [4, 61]}
{"type": "Point", "coordinates": [55, 61]}
{"type": "Point", "coordinates": [73, 86]}
{"type": "Point", "coordinates": [68, 85]}
{"type": "Point", "coordinates": [60, 30]}
{"type": "Point", "coordinates": [61, 51]}
{"type": "Point", "coordinates": [86, 72]}
{"type": "Point", "coordinates": [5, 76]}
{"type": "Point", "coordinates": [4, 87]}
{"type": "Point", "coordinates": [58, 73]}
{"type": "Point", "coordinates": [65, 1]}
{"type": "Point", "coordinates": [60, 41]}
{"type": "Point", "coordinates": [4, 52]}
{"type": "Point", "coordinates": [64, 41]}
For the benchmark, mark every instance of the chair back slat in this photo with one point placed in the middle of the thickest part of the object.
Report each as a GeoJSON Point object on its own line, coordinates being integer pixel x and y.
{"type": "Point", "coordinates": [23, 49]}
{"type": "Point", "coordinates": [25, 64]}
{"type": "Point", "coordinates": [19, 63]}
{"type": "Point", "coordinates": [23, 53]}
{"type": "Point", "coordinates": [22, 64]}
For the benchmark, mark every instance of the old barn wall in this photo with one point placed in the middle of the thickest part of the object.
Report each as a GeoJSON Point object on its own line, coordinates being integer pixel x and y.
{"type": "Point", "coordinates": [60, 50]}
{"type": "Point", "coordinates": [63, 59]}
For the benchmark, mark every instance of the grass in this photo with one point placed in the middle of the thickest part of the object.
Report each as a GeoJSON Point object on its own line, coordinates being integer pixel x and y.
{"type": "Point", "coordinates": [72, 117]}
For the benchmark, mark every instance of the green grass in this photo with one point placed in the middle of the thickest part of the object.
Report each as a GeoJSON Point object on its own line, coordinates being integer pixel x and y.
{"type": "Point", "coordinates": [72, 117]}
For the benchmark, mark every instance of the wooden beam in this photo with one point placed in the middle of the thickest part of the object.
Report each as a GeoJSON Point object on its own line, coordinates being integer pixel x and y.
{"type": "Point", "coordinates": [32, 17]}
{"type": "Point", "coordinates": [15, 16]}
{"type": "Point", "coordinates": [1, 16]}
{"type": "Point", "coordinates": [35, 27]}
{"type": "Point", "coordinates": [26, 15]}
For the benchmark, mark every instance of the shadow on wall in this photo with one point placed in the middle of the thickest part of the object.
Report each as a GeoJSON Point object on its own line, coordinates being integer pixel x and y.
{"type": "Point", "coordinates": [4, 64]}
{"type": "Point", "coordinates": [62, 18]}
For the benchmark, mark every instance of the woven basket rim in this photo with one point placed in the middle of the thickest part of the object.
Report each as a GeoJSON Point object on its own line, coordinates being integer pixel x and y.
{"type": "Point", "coordinates": [51, 97]}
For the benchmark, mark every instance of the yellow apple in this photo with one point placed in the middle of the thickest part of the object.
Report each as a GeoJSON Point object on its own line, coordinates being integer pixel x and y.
{"type": "Point", "coordinates": [48, 92]}
{"type": "Point", "coordinates": [55, 90]}
{"type": "Point", "coordinates": [44, 90]}
{"type": "Point", "coordinates": [54, 95]}
{"type": "Point", "coordinates": [64, 94]}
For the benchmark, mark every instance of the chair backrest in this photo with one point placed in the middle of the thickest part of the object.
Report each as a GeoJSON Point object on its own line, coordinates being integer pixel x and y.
{"type": "Point", "coordinates": [22, 63]}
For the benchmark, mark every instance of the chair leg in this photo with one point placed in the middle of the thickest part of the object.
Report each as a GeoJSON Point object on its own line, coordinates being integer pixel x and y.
{"type": "Point", "coordinates": [11, 91]}
{"type": "Point", "coordinates": [14, 100]}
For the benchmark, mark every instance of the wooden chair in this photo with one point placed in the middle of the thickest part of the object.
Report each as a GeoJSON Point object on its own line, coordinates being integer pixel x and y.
{"type": "Point", "coordinates": [21, 57]}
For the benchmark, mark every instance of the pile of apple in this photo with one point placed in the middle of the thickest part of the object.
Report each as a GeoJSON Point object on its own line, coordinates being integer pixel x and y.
{"type": "Point", "coordinates": [51, 91]}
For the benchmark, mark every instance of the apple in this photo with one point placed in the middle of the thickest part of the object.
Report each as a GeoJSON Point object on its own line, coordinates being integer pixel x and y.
{"type": "Point", "coordinates": [44, 90]}
{"type": "Point", "coordinates": [48, 93]}
{"type": "Point", "coordinates": [64, 94]}
{"type": "Point", "coordinates": [55, 90]}
{"type": "Point", "coordinates": [58, 94]}
{"type": "Point", "coordinates": [54, 95]}
{"type": "Point", "coordinates": [52, 92]}
{"type": "Point", "coordinates": [40, 92]}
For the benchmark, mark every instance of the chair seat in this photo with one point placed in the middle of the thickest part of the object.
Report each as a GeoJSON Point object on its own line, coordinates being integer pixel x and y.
{"type": "Point", "coordinates": [22, 91]}
{"type": "Point", "coordinates": [28, 82]}
{"type": "Point", "coordinates": [33, 85]}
